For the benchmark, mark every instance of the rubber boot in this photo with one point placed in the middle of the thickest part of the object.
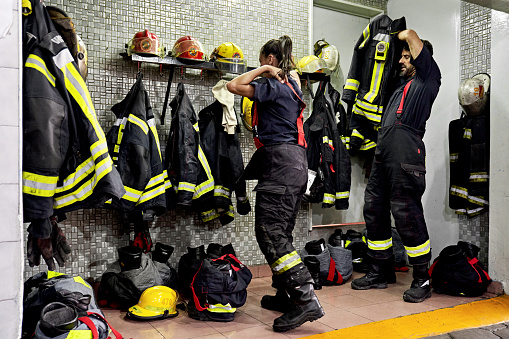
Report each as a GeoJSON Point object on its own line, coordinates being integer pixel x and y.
{"type": "Point", "coordinates": [280, 302]}
{"type": "Point", "coordinates": [306, 307]}
{"type": "Point", "coordinates": [313, 266]}
{"type": "Point", "coordinates": [162, 252]}
{"type": "Point", "coordinates": [420, 289]}
{"type": "Point", "coordinates": [379, 275]}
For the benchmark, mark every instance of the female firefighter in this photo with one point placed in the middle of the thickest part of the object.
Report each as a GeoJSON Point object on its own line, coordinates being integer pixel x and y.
{"type": "Point", "coordinates": [280, 166]}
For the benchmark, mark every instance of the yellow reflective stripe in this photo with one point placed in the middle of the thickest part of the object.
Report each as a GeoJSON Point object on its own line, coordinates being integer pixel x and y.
{"type": "Point", "coordinates": [478, 200]}
{"type": "Point", "coordinates": [368, 144]}
{"type": "Point", "coordinates": [122, 122]}
{"type": "Point", "coordinates": [357, 134]}
{"type": "Point", "coordinates": [474, 212]}
{"type": "Point", "coordinates": [79, 334]}
{"type": "Point", "coordinates": [151, 194]}
{"type": "Point", "coordinates": [209, 215]}
{"type": "Point", "coordinates": [39, 185]}
{"type": "Point", "coordinates": [418, 250]}
{"type": "Point", "coordinates": [453, 157]}
{"type": "Point", "coordinates": [140, 123]}
{"type": "Point", "coordinates": [204, 162]}
{"type": "Point", "coordinates": [151, 123]}
{"type": "Point", "coordinates": [479, 177]}
{"type": "Point", "coordinates": [369, 107]}
{"type": "Point", "coordinates": [230, 211]}
{"type": "Point", "coordinates": [371, 116]}
{"type": "Point", "coordinates": [203, 188]}
{"type": "Point", "coordinates": [376, 79]}
{"type": "Point", "coordinates": [220, 308]}
{"type": "Point", "coordinates": [80, 280]}
{"type": "Point", "coordinates": [342, 195]}
{"type": "Point", "coordinates": [84, 191]}
{"type": "Point", "coordinates": [467, 134]}
{"type": "Point", "coordinates": [195, 126]}
{"type": "Point", "coordinates": [286, 262]}
{"type": "Point", "coordinates": [186, 186]}
{"type": "Point", "coordinates": [37, 63]}
{"type": "Point", "coordinates": [379, 245]}
{"type": "Point", "coordinates": [158, 179]}
{"type": "Point", "coordinates": [167, 182]}
{"type": "Point", "coordinates": [326, 140]}
{"type": "Point", "coordinates": [346, 142]}
{"type": "Point", "coordinates": [221, 191]}
{"type": "Point", "coordinates": [352, 84]}
{"type": "Point", "coordinates": [365, 35]}
{"type": "Point", "coordinates": [328, 198]}
{"type": "Point", "coordinates": [52, 274]}
{"type": "Point", "coordinates": [459, 191]}
{"type": "Point", "coordinates": [131, 194]}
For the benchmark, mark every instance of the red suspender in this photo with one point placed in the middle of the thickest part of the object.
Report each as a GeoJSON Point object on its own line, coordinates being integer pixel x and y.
{"type": "Point", "coordinates": [300, 119]}
{"type": "Point", "coordinates": [400, 108]}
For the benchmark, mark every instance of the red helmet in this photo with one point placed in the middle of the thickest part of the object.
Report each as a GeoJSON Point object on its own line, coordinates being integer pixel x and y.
{"type": "Point", "coordinates": [145, 42]}
{"type": "Point", "coordinates": [188, 47]}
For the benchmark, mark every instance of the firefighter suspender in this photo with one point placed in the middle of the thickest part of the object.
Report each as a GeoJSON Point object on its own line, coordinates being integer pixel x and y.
{"type": "Point", "coordinates": [400, 108]}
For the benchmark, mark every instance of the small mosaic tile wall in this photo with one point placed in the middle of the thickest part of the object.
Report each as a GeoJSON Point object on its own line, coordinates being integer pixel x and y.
{"type": "Point", "coordinates": [475, 58]}
{"type": "Point", "coordinates": [106, 26]}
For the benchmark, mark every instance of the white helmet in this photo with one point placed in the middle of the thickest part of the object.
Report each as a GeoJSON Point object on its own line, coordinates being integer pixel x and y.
{"type": "Point", "coordinates": [473, 94]}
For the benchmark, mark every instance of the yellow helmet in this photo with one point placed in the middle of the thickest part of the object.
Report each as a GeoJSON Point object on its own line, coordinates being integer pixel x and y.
{"type": "Point", "coordinates": [155, 303]}
{"type": "Point", "coordinates": [247, 116]}
{"type": "Point", "coordinates": [229, 57]}
{"type": "Point", "coordinates": [312, 64]}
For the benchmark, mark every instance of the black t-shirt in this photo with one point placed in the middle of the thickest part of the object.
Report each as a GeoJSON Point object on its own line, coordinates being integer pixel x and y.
{"type": "Point", "coordinates": [420, 95]}
{"type": "Point", "coordinates": [278, 109]}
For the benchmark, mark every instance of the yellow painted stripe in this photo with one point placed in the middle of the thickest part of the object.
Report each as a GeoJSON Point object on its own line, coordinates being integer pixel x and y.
{"type": "Point", "coordinates": [472, 315]}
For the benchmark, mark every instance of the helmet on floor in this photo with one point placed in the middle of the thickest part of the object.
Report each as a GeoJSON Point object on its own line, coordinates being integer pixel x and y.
{"type": "Point", "coordinates": [312, 64]}
{"type": "Point", "coordinates": [473, 94]}
{"type": "Point", "coordinates": [156, 302]}
{"type": "Point", "coordinates": [228, 57]}
{"type": "Point", "coordinates": [188, 48]}
{"type": "Point", "coordinates": [246, 112]}
{"type": "Point", "coordinates": [145, 43]}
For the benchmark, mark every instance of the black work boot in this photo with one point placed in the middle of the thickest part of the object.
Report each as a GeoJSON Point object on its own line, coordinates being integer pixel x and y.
{"type": "Point", "coordinates": [313, 266]}
{"type": "Point", "coordinates": [306, 307]}
{"type": "Point", "coordinates": [420, 288]}
{"type": "Point", "coordinates": [378, 276]}
{"type": "Point", "coordinates": [280, 302]}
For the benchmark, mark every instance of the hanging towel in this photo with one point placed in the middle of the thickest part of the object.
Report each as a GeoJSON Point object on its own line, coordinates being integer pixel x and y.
{"type": "Point", "coordinates": [226, 99]}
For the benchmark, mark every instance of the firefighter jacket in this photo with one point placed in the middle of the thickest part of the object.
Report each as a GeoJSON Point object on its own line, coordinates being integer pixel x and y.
{"type": "Point", "coordinates": [133, 144]}
{"type": "Point", "coordinates": [224, 157]}
{"type": "Point", "coordinates": [469, 165]}
{"type": "Point", "coordinates": [184, 158]}
{"type": "Point", "coordinates": [366, 88]}
{"type": "Point", "coordinates": [326, 152]}
{"type": "Point", "coordinates": [66, 165]}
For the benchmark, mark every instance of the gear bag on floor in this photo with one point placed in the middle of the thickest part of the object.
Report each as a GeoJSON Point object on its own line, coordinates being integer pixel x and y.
{"type": "Point", "coordinates": [457, 271]}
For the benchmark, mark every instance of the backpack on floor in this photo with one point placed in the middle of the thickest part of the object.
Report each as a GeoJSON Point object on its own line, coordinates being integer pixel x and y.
{"type": "Point", "coordinates": [457, 271]}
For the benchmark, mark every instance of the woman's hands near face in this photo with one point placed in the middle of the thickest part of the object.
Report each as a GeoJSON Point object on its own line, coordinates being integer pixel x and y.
{"type": "Point", "coordinates": [276, 73]}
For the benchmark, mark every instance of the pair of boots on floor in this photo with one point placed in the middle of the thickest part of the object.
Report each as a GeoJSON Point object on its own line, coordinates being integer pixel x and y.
{"type": "Point", "coordinates": [381, 273]}
{"type": "Point", "coordinates": [298, 305]}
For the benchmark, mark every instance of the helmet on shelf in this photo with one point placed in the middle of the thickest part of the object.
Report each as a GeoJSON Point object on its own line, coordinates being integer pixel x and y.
{"type": "Point", "coordinates": [312, 64]}
{"type": "Point", "coordinates": [145, 43]}
{"type": "Point", "coordinates": [473, 94]}
{"type": "Point", "coordinates": [228, 57]}
{"type": "Point", "coordinates": [156, 302]}
{"type": "Point", "coordinates": [188, 48]}
{"type": "Point", "coordinates": [327, 52]}
{"type": "Point", "coordinates": [246, 106]}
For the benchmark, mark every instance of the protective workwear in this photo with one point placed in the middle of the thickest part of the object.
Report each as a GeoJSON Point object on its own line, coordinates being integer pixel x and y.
{"type": "Point", "coordinates": [57, 318]}
{"type": "Point", "coordinates": [188, 48]}
{"type": "Point", "coordinates": [313, 265]}
{"type": "Point", "coordinates": [133, 144]}
{"type": "Point", "coordinates": [367, 87]}
{"type": "Point", "coordinates": [280, 302]}
{"type": "Point", "coordinates": [420, 289]}
{"type": "Point", "coordinates": [312, 64]}
{"type": "Point", "coordinates": [473, 94]}
{"type": "Point", "coordinates": [335, 263]}
{"type": "Point", "coordinates": [246, 107]}
{"type": "Point", "coordinates": [129, 257]}
{"type": "Point", "coordinates": [156, 302]}
{"type": "Point", "coordinates": [162, 252]}
{"type": "Point", "coordinates": [337, 239]}
{"type": "Point", "coordinates": [66, 165]}
{"type": "Point", "coordinates": [379, 275]}
{"type": "Point", "coordinates": [145, 43]}
{"type": "Point", "coordinates": [326, 152]}
{"type": "Point", "coordinates": [55, 247]}
{"type": "Point", "coordinates": [228, 57]}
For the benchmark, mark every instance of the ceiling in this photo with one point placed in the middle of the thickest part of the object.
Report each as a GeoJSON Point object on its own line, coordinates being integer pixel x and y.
{"type": "Point", "coordinates": [499, 5]}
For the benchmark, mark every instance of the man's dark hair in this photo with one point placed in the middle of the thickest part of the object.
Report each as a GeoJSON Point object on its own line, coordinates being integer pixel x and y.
{"type": "Point", "coordinates": [426, 43]}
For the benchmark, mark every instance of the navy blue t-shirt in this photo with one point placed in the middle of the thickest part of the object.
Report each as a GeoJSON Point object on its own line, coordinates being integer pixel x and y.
{"type": "Point", "coordinates": [278, 109]}
{"type": "Point", "coordinates": [420, 95]}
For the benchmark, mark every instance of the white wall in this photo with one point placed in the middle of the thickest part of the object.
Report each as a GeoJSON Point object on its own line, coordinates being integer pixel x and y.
{"type": "Point", "coordinates": [498, 253]}
{"type": "Point", "coordinates": [442, 29]}
{"type": "Point", "coordinates": [11, 246]}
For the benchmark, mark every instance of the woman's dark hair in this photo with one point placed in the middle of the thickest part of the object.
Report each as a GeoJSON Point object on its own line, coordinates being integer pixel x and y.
{"type": "Point", "coordinates": [282, 49]}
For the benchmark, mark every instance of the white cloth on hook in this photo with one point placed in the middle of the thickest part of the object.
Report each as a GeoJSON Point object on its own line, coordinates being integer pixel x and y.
{"type": "Point", "coordinates": [226, 99]}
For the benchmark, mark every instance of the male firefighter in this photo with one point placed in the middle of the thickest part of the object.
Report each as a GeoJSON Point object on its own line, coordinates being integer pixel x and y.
{"type": "Point", "coordinates": [396, 183]}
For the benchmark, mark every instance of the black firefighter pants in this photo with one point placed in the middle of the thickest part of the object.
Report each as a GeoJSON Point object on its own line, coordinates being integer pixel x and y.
{"type": "Point", "coordinates": [396, 184]}
{"type": "Point", "coordinates": [281, 185]}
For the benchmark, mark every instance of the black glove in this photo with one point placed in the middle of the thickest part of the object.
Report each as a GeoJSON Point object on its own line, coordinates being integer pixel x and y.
{"type": "Point", "coordinates": [61, 248]}
{"type": "Point", "coordinates": [37, 247]}
{"type": "Point", "coordinates": [243, 206]}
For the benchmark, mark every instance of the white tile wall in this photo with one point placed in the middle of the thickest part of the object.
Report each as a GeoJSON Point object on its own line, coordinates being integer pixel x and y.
{"type": "Point", "coordinates": [8, 94]}
{"type": "Point", "coordinates": [11, 319]}
{"type": "Point", "coordinates": [9, 136]}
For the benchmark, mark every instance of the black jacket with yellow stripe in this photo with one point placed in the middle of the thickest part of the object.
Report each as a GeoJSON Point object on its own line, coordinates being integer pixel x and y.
{"type": "Point", "coordinates": [133, 144]}
{"type": "Point", "coordinates": [365, 92]}
{"type": "Point", "coordinates": [66, 165]}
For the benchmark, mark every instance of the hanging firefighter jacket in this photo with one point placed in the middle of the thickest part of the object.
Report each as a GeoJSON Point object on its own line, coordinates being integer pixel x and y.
{"type": "Point", "coordinates": [66, 165]}
{"type": "Point", "coordinates": [224, 156]}
{"type": "Point", "coordinates": [326, 152]}
{"type": "Point", "coordinates": [469, 165]}
{"type": "Point", "coordinates": [184, 158]}
{"type": "Point", "coordinates": [366, 88]}
{"type": "Point", "coordinates": [133, 144]}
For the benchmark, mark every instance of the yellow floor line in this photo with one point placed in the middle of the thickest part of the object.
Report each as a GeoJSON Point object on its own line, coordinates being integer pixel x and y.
{"type": "Point", "coordinates": [475, 314]}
